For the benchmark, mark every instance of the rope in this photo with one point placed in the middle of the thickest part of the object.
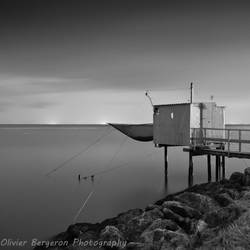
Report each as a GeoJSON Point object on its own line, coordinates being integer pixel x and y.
{"type": "Point", "coordinates": [82, 207]}
{"type": "Point", "coordinates": [109, 163]}
{"type": "Point", "coordinates": [76, 155]}
{"type": "Point", "coordinates": [111, 169]}
{"type": "Point", "coordinates": [100, 173]}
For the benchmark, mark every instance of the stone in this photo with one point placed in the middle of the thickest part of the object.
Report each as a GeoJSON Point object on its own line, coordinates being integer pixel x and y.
{"type": "Point", "coordinates": [152, 236]}
{"type": "Point", "coordinates": [169, 214]}
{"type": "Point", "coordinates": [135, 226]}
{"type": "Point", "coordinates": [126, 216]}
{"type": "Point", "coordinates": [223, 199]}
{"type": "Point", "coordinates": [74, 231]}
{"type": "Point", "coordinates": [237, 177]}
{"type": "Point", "coordinates": [163, 224]}
{"type": "Point", "coordinates": [223, 216]}
{"type": "Point", "coordinates": [153, 214]}
{"type": "Point", "coordinates": [247, 176]}
{"type": "Point", "coordinates": [200, 202]}
{"type": "Point", "coordinates": [175, 240]}
{"type": "Point", "coordinates": [201, 226]}
{"type": "Point", "coordinates": [151, 207]}
{"type": "Point", "coordinates": [111, 233]}
{"type": "Point", "coordinates": [185, 223]}
{"type": "Point", "coordinates": [138, 246]}
{"type": "Point", "coordinates": [182, 209]}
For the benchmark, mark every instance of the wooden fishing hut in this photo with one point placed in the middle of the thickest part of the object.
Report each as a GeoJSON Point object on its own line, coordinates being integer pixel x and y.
{"type": "Point", "coordinates": [179, 124]}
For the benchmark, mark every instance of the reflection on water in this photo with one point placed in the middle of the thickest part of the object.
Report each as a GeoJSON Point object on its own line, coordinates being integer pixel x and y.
{"type": "Point", "coordinates": [127, 174]}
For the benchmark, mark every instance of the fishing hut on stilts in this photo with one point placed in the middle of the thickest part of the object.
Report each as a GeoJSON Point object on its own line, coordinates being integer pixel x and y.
{"type": "Point", "coordinates": [198, 127]}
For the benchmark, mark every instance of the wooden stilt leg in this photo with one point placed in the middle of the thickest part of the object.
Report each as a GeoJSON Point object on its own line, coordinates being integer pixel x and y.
{"type": "Point", "coordinates": [190, 170]}
{"type": "Point", "coordinates": [209, 168]}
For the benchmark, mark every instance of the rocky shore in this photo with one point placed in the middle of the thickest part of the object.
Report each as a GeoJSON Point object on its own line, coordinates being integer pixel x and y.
{"type": "Point", "coordinates": [212, 215]}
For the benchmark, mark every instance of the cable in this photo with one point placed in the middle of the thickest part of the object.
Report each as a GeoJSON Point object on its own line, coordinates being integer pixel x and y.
{"type": "Point", "coordinates": [111, 169]}
{"type": "Point", "coordinates": [82, 207]}
{"type": "Point", "coordinates": [76, 155]}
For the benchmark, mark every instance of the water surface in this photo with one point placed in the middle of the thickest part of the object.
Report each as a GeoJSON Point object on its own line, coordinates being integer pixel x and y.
{"type": "Point", "coordinates": [131, 174]}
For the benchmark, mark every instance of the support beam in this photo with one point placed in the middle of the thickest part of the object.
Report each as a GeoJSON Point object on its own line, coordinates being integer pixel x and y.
{"type": "Point", "coordinates": [219, 167]}
{"type": "Point", "coordinates": [209, 168]}
{"type": "Point", "coordinates": [216, 168]}
{"type": "Point", "coordinates": [190, 170]}
{"type": "Point", "coordinates": [223, 167]}
{"type": "Point", "coordinates": [166, 161]}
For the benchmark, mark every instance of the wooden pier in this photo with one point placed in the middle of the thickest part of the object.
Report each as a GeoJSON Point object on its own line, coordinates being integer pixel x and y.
{"type": "Point", "coordinates": [220, 143]}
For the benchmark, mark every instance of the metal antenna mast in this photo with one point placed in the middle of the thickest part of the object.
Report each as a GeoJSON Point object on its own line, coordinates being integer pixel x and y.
{"type": "Point", "coordinates": [191, 92]}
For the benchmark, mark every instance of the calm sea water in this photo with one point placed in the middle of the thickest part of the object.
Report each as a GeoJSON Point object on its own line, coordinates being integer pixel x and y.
{"type": "Point", "coordinates": [34, 205]}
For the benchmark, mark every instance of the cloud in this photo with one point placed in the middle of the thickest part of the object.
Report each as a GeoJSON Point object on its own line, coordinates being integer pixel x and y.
{"type": "Point", "coordinates": [4, 105]}
{"type": "Point", "coordinates": [41, 104]}
{"type": "Point", "coordinates": [30, 85]}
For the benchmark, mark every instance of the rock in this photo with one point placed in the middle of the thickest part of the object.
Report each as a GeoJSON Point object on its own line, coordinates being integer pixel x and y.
{"type": "Point", "coordinates": [138, 246]}
{"type": "Point", "coordinates": [247, 176]}
{"type": "Point", "coordinates": [137, 225]}
{"type": "Point", "coordinates": [182, 209]}
{"type": "Point", "coordinates": [175, 240]}
{"type": "Point", "coordinates": [151, 207]}
{"type": "Point", "coordinates": [201, 226]}
{"type": "Point", "coordinates": [223, 216]}
{"type": "Point", "coordinates": [111, 233]}
{"type": "Point", "coordinates": [185, 223]}
{"type": "Point", "coordinates": [163, 224]}
{"type": "Point", "coordinates": [200, 202]}
{"type": "Point", "coordinates": [169, 214]}
{"type": "Point", "coordinates": [74, 231]}
{"type": "Point", "coordinates": [126, 216]}
{"type": "Point", "coordinates": [223, 199]}
{"type": "Point", "coordinates": [237, 177]}
{"type": "Point", "coordinates": [89, 235]}
{"type": "Point", "coordinates": [152, 236]}
{"type": "Point", "coordinates": [234, 194]}
{"type": "Point", "coordinates": [246, 195]}
{"type": "Point", "coordinates": [153, 214]}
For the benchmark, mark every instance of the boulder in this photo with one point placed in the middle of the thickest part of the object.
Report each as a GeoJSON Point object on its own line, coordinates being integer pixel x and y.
{"type": "Point", "coordinates": [156, 235]}
{"type": "Point", "coordinates": [223, 199]}
{"type": "Point", "coordinates": [163, 224]}
{"type": "Point", "coordinates": [138, 246]}
{"type": "Point", "coordinates": [75, 230]}
{"type": "Point", "coordinates": [111, 233]}
{"type": "Point", "coordinates": [170, 215]}
{"type": "Point", "coordinates": [151, 207]}
{"type": "Point", "coordinates": [175, 240]}
{"type": "Point", "coordinates": [186, 223]}
{"type": "Point", "coordinates": [200, 202]}
{"type": "Point", "coordinates": [126, 216]}
{"type": "Point", "coordinates": [201, 226]}
{"type": "Point", "coordinates": [223, 216]}
{"type": "Point", "coordinates": [237, 177]}
{"type": "Point", "coordinates": [247, 176]}
{"type": "Point", "coordinates": [135, 226]}
{"type": "Point", "coordinates": [182, 209]}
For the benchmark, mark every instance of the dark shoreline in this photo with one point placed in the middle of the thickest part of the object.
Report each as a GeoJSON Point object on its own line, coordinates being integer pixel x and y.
{"type": "Point", "coordinates": [199, 217]}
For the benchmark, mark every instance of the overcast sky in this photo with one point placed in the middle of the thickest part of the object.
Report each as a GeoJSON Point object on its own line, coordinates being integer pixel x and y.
{"type": "Point", "coordinates": [91, 61]}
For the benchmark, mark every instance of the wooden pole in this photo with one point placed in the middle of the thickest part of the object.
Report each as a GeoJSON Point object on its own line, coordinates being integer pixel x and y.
{"type": "Point", "coordinates": [223, 167]}
{"type": "Point", "coordinates": [166, 161]}
{"type": "Point", "coordinates": [190, 170]}
{"type": "Point", "coordinates": [219, 167]}
{"type": "Point", "coordinates": [209, 168]}
{"type": "Point", "coordinates": [216, 168]}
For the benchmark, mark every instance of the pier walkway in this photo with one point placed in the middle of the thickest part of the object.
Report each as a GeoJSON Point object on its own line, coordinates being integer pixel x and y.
{"type": "Point", "coordinates": [221, 143]}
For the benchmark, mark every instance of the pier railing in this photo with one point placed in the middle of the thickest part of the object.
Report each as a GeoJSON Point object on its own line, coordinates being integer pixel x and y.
{"type": "Point", "coordinates": [231, 139]}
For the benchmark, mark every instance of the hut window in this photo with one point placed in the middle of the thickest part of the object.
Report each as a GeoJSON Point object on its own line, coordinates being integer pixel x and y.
{"type": "Point", "coordinates": [172, 115]}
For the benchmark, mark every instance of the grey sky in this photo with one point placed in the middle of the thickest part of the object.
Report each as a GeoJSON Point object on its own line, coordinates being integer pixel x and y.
{"type": "Point", "coordinates": [91, 61]}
